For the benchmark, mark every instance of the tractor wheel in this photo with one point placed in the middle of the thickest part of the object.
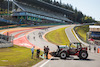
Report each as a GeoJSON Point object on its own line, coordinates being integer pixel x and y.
{"type": "Point", "coordinates": [83, 55]}
{"type": "Point", "coordinates": [63, 55]}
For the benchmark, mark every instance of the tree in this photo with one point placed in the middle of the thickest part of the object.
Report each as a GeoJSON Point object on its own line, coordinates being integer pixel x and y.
{"type": "Point", "coordinates": [79, 16]}
{"type": "Point", "coordinates": [87, 19]}
{"type": "Point", "coordinates": [1, 5]}
{"type": "Point", "coordinates": [1, 0]}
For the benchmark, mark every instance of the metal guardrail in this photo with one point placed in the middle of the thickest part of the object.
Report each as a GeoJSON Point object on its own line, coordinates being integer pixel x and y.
{"type": "Point", "coordinates": [77, 33]}
{"type": "Point", "coordinates": [81, 40]}
{"type": "Point", "coordinates": [6, 41]}
{"type": "Point", "coordinates": [78, 37]}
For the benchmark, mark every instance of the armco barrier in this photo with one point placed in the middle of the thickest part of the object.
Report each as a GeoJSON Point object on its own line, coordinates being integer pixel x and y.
{"type": "Point", "coordinates": [4, 43]}
{"type": "Point", "coordinates": [86, 44]}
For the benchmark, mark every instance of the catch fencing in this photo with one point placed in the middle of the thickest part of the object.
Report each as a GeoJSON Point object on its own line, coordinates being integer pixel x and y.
{"type": "Point", "coordinates": [6, 41]}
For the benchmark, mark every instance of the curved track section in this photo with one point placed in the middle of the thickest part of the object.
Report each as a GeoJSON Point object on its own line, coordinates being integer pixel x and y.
{"type": "Point", "coordinates": [40, 41]}
{"type": "Point", "coordinates": [70, 35]}
{"type": "Point", "coordinates": [73, 61]}
{"type": "Point", "coordinates": [25, 37]}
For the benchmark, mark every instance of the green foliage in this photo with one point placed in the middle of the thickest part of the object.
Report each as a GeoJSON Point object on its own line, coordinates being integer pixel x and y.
{"type": "Point", "coordinates": [1, 0]}
{"type": "Point", "coordinates": [17, 57]}
{"type": "Point", "coordinates": [81, 31]}
{"type": "Point", "coordinates": [78, 16]}
{"type": "Point", "coordinates": [87, 19]}
{"type": "Point", "coordinates": [58, 37]}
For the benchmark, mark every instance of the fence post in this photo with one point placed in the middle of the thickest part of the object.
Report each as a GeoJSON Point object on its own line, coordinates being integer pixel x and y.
{"type": "Point", "coordinates": [12, 40]}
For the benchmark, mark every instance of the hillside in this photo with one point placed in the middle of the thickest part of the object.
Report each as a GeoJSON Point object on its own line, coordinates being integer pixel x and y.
{"type": "Point", "coordinates": [78, 16]}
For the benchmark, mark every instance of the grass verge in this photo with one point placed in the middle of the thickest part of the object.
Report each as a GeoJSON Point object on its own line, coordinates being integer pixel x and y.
{"type": "Point", "coordinates": [81, 31]}
{"type": "Point", "coordinates": [17, 57]}
{"type": "Point", "coordinates": [58, 37]}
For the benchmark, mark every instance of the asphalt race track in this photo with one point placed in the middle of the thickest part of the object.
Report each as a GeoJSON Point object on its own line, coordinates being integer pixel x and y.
{"type": "Point", "coordinates": [73, 61]}
{"type": "Point", "coordinates": [32, 36]}
{"type": "Point", "coordinates": [40, 41]}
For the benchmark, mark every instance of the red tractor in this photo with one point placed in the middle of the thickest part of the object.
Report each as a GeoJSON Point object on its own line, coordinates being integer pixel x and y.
{"type": "Point", "coordinates": [73, 49]}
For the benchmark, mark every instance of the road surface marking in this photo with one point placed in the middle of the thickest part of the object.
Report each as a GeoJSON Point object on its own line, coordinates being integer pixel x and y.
{"type": "Point", "coordinates": [45, 62]}
{"type": "Point", "coordinates": [67, 34]}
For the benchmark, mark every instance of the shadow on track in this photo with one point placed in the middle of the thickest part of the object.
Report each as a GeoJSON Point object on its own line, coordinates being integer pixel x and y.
{"type": "Point", "coordinates": [69, 58]}
{"type": "Point", "coordinates": [85, 59]}
{"type": "Point", "coordinates": [54, 59]}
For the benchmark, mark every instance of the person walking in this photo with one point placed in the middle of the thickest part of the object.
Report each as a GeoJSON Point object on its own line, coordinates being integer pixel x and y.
{"type": "Point", "coordinates": [44, 51]}
{"type": "Point", "coordinates": [47, 51]}
{"type": "Point", "coordinates": [40, 36]}
{"type": "Point", "coordinates": [95, 48]}
{"type": "Point", "coordinates": [28, 37]}
{"type": "Point", "coordinates": [89, 48]}
{"type": "Point", "coordinates": [32, 50]}
{"type": "Point", "coordinates": [38, 53]}
{"type": "Point", "coordinates": [34, 37]}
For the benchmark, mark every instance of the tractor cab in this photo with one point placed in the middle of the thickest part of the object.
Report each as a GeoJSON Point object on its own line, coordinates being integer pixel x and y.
{"type": "Point", "coordinates": [74, 48]}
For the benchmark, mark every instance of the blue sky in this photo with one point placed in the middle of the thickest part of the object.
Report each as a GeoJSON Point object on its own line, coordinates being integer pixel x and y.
{"type": "Point", "coordinates": [88, 7]}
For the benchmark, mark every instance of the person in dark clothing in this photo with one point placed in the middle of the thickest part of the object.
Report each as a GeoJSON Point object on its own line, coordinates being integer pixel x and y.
{"type": "Point", "coordinates": [89, 48]}
{"type": "Point", "coordinates": [38, 53]}
{"type": "Point", "coordinates": [95, 48]}
{"type": "Point", "coordinates": [44, 49]}
{"type": "Point", "coordinates": [34, 37]}
{"type": "Point", "coordinates": [47, 51]}
{"type": "Point", "coordinates": [40, 36]}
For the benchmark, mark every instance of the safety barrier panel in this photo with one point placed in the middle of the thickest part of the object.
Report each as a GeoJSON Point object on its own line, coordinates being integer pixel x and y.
{"type": "Point", "coordinates": [98, 50]}
{"type": "Point", "coordinates": [6, 41]}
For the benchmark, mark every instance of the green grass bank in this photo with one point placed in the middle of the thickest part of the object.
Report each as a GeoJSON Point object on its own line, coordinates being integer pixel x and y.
{"type": "Point", "coordinates": [58, 37]}
{"type": "Point", "coordinates": [17, 57]}
{"type": "Point", "coordinates": [81, 31]}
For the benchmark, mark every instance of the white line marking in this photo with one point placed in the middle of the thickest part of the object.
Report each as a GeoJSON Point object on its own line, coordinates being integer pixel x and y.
{"type": "Point", "coordinates": [67, 34]}
{"type": "Point", "coordinates": [45, 62]}
{"type": "Point", "coordinates": [19, 37]}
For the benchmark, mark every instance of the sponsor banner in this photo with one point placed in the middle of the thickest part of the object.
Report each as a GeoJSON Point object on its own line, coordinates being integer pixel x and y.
{"type": "Point", "coordinates": [21, 17]}
{"type": "Point", "coordinates": [33, 19]}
